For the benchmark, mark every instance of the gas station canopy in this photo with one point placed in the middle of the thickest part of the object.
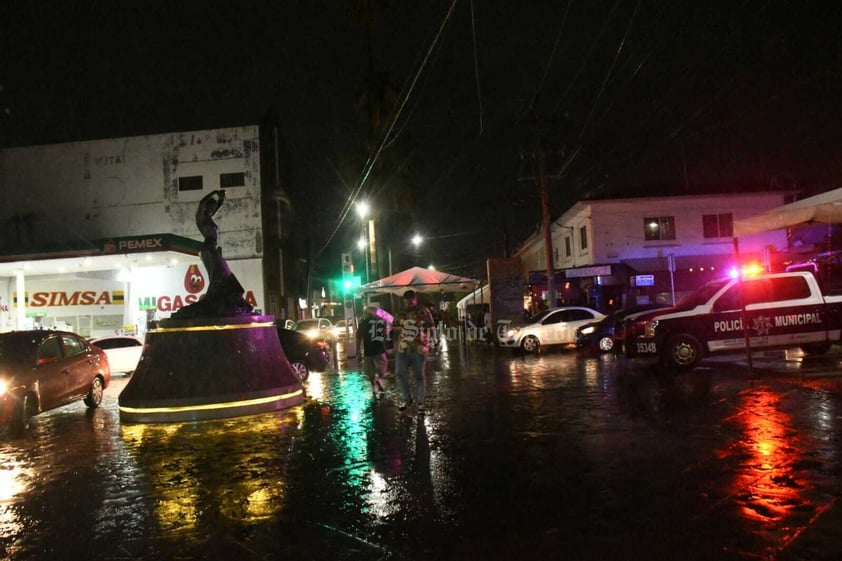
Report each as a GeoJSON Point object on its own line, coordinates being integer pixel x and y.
{"type": "Point", "coordinates": [100, 255]}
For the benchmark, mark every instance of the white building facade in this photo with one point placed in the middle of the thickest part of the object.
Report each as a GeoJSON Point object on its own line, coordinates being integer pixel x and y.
{"type": "Point", "coordinates": [614, 253]}
{"type": "Point", "coordinates": [100, 236]}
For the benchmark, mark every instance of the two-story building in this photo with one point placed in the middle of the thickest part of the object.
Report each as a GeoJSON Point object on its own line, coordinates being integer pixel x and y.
{"type": "Point", "coordinates": [612, 253]}
{"type": "Point", "coordinates": [100, 236]}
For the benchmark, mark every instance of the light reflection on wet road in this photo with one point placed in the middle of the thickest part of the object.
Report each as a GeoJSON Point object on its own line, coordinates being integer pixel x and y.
{"type": "Point", "coordinates": [518, 458]}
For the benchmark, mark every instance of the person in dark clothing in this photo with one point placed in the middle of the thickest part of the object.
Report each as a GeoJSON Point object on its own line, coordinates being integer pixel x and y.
{"type": "Point", "coordinates": [371, 340]}
{"type": "Point", "coordinates": [414, 324]}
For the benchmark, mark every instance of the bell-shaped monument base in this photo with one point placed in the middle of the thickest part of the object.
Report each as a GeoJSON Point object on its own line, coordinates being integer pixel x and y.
{"type": "Point", "coordinates": [210, 368]}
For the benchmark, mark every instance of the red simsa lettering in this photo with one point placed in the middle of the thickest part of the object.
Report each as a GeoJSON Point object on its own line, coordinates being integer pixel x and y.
{"type": "Point", "coordinates": [38, 299]}
{"type": "Point", "coordinates": [88, 298]}
{"type": "Point", "coordinates": [64, 299]}
{"type": "Point", "coordinates": [104, 299]}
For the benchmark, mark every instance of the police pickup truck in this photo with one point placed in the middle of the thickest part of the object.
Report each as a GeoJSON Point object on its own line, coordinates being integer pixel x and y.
{"type": "Point", "coordinates": [771, 311]}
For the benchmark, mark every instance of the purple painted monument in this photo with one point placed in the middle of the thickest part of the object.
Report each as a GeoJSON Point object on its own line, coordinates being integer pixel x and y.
{"type": "Point", "coordinates": [214, 358]}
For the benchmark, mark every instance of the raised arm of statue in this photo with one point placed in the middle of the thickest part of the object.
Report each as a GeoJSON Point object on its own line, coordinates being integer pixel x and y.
{"type": "Point", "coordinates": [224, 296]}
{"type": "Point", "coordinates": [208, 206]}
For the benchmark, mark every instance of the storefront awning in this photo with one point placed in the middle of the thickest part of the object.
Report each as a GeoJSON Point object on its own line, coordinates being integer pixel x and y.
{"type": "Point", "coordinates": [685, 262]}
{"type": "Point", "coordinates": [100, 255]}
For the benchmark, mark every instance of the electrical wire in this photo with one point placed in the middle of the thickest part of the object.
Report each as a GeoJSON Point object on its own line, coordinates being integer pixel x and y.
{"type": "Point", "coordinates": [609, 72]}
{"type": "Point", "coordinates": [550, 60]}
{"type": "Point", "coordinates": [476, 64]}
{"type": "Point", "coordinates": [373, 158]}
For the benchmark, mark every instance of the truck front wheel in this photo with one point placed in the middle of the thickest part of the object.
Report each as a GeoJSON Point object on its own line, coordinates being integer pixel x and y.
{"type": "Point", "coordinates": [683, 351]}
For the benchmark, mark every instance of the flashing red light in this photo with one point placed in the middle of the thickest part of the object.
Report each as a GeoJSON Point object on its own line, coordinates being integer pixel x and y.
{"type": "Point", "coordinates": [750, 270]}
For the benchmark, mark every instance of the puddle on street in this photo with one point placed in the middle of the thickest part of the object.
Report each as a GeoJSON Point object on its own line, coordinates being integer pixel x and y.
{"type": "Point", "coordinates": [516, 453]}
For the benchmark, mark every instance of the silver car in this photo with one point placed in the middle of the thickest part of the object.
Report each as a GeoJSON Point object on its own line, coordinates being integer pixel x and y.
{"type": "Point", "coordinates": [556, 326]}
{"type": "Point", "coordinates": [124, 351]}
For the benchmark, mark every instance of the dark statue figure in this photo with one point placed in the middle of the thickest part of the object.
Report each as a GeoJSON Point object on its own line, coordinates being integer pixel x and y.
{"type": "Point", "coordinates": [224, 297]}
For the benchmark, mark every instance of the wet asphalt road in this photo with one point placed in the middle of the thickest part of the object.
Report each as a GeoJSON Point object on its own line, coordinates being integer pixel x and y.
{"type": "Point", "coordinates": [539, 457]}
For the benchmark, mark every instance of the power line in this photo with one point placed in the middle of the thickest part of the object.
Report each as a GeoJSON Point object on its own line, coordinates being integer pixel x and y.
{"type": "Point", "coordinates": [373, 159]}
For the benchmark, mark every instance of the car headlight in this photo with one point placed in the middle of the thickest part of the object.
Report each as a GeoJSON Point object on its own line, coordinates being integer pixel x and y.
{"type": "Point", "coordinates": [649, 328]}
{"type": "Point", "coordinates": [587, 330]}
{"type": "Point", "coordinates": [4, 385]}
{"type": "Point", "coordinates": [312, 333]}
{"type": "Point", "coordinates": [512, 332]}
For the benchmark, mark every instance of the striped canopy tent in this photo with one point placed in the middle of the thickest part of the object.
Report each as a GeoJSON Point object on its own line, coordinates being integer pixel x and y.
{"type": "Point", "coordinates": [420, 279]}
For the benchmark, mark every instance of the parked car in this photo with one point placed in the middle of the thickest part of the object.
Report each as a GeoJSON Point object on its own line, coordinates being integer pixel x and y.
{"type": "Point", "coordinates": [304, 354]}
{"type": "Point", "coordinates": [339, 332]}
{"type": "Point", "coordinates": [606, 335]}
{"type": "Point", "coordinates": [124, 351]}
{"type": "Point", "coordinates": [45, 369]}
{"type": "Point", "coordinates": [319, 329]}
{"type": "Point", "coordinates": [556, 326]}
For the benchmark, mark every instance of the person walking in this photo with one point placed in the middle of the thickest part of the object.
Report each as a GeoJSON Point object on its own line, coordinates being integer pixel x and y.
{"type": "Point", "coordinates": [371, 340]}
{"type": "Point", "coordinates": [414, 324]}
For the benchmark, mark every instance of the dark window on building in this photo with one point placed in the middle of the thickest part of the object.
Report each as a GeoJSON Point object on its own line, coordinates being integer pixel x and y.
{"type": "Point", "coordinates": [190, 183]}
{"type": "Point", "coordinates": [232, 179]}
{"type": "Point", "coordinates": [583, 238]}
{"type": "Point", "coordinates": [568, 250]}
{"type": "Point", "coordinates": [659, 228]}
{"type": "Point", "coordinates": [718, 225]}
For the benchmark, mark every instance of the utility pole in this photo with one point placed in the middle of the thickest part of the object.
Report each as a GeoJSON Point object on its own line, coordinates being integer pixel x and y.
{"type": "Point", "coordinates": [546, 221]}
{"type": "Point", "coordinates": [548, 235]}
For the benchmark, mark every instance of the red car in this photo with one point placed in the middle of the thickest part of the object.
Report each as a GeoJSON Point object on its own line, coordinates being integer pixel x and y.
{"type": "Point", "coordinates": [41, 370]}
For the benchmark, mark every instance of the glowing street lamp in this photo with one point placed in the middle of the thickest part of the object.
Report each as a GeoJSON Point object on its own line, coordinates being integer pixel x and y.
{"type": "Point", "coordinates": [367, 243]}
{"type": "Point", "coordinates": [416, 240]}
{"type": "Point", "coordinates": [363, 209]}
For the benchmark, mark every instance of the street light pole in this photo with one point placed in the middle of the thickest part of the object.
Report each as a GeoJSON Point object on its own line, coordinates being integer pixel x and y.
{"type": "Point", "coordinates": [368, 236]}
{"type": "Point", "coordinates": [372, 247]}
{"type": "Point", "coordinates": [362, 245]}
{"type": "Point", "coordinates": [548, 237]}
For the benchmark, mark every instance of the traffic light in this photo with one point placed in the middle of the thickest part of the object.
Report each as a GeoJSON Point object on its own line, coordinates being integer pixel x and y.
{"type": "Point", "coordinates": [346, 286]}
{"type": "Point", "coordinates": [347, 265]}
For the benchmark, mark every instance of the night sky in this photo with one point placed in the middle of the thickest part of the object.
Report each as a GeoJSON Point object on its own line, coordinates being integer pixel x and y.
{"type": "Point", "coordinates": [630, 98]}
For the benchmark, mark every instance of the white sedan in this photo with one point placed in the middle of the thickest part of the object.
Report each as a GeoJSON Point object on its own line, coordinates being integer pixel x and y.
{"type": "Point", "coordinates": [339, 328]}
{"type": "Point", "coordinates": [556, 326]}
{"type": "Point", "coordinates": [123, 351]}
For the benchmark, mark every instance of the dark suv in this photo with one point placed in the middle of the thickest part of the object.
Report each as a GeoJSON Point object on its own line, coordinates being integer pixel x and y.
{"type": "Point", "coordinates": [304, 354]}
{"type": "Point", "coordinates": [607, 334]}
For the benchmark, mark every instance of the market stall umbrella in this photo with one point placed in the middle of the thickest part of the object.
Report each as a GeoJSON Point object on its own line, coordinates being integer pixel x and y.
{"type": "Point", "coordinates": [420, 279]}
{"type": "Point", "coordinates": [824, 208]}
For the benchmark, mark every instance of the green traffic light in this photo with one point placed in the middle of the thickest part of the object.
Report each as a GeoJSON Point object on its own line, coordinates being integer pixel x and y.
{"type": "Point", "coordinates": [347, 285]}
